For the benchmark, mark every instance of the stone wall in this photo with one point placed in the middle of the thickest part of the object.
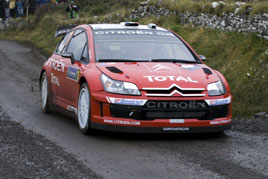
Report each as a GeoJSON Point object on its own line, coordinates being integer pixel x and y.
{"type": "Point", "coordinates": [233, 21]}
{"type": "Point", "coordinates": [13, 23]}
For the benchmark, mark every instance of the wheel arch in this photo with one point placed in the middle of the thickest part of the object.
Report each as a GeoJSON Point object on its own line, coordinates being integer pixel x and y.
{"type": "Point", "coordinates": [82, 80]}
{"type": "Point", "coordinates": [40, 77]}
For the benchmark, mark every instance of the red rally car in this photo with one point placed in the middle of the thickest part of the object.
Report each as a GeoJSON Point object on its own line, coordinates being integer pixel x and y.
{"type": "Point", "coordinates": [134, 78]}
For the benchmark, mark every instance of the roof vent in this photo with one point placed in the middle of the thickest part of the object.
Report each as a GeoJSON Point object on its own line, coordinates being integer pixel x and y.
{"type": "Point", "coordinates": [130, 23]}
{"type": "Point", "coordinates": [152, 26]}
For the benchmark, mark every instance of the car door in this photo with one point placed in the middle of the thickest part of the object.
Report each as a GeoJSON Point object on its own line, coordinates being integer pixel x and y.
{"type": "Point", "coordinates": [57, 66]}
{"type": "Point", "coordinates": [68, 91]}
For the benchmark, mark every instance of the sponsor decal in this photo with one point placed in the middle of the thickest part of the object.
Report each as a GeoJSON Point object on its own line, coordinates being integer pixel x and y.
{"type": "Point", "coordinates": [176, 129]}
{"type": "Point", "coordinates": [220, 122]}
{"type": "Point", "coordinates": [193, 114]}
{"type": "Point", "coordinates": [132, 32]}
{"type": "Point", "coordinates": [190, 67]}
{"type": "Point", "coordinates": [216, 102]}
{"type": "Point", "coordinates": [190, 115]}
{"type": "Point", "coordinates": [73, 73]}
{"type": "Point", "coordinates": [134, 102]}
{"type": "Point", "coordinates": [152, 78]}
{"type": "Point", "coordinates": [176, 104]}
{"type": "Point", "coordinates": [160, 67]}
{"type": "Point", "coordinates": [56, 64]}
{"type": "Point", "coordinates": [55, 80]}
{"type": "Point", "coordinates": [176, 121]}
{"type": "Point", "coordinates": [132, 123]}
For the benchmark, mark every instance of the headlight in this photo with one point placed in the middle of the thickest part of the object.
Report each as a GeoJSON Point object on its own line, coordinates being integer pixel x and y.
{"type": "Point", "coordinates": [120, 87]}
{"type": "Point", "coordinates": [215, 89]}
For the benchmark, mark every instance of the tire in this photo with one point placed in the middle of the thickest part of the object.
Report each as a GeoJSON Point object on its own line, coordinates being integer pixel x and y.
{"type": "Point", "coordinates": [83, 109]}
{"type": "Point", "coordinates": [44, 93]}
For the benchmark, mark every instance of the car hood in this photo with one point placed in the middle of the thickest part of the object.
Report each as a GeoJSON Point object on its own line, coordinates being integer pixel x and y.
{"type": "Point", "coordinates": [160, 75]}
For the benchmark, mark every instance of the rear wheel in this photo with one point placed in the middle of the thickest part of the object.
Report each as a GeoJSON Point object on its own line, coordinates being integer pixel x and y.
{"type": "Point", "coordinates": [83, 112]}
{"type": "Point", "coordinates": [44, 93]}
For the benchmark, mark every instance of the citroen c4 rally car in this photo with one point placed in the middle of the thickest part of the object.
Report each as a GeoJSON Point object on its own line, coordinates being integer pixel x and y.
{"type": "Point", "coordinates": [134, 78]}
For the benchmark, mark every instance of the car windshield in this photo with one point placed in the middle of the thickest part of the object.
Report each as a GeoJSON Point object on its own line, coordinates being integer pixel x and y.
{"type": "Point", "coordinates": [140, 45]}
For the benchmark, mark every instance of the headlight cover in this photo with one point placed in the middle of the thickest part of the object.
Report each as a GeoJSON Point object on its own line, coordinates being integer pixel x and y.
{"type": "Point", "coordinates": [120, 87]}
{"type": "Point", "coordinates": [216, 89]}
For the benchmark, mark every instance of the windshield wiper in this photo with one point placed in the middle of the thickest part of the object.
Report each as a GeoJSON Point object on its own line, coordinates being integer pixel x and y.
{"type": "Point", "coordinates": [119, 60]}
{"type": "Point", "coordinates": [173, 60]}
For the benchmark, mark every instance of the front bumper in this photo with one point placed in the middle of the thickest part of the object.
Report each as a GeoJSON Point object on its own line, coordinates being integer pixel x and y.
{"type": "Point", "coordinates": [131, 129]}
{"type": "Point", "coordinates": [140, 116]}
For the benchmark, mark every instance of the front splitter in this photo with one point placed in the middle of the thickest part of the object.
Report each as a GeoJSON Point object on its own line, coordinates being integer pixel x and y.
{"type": "Point", "coordinates": [132, 129]}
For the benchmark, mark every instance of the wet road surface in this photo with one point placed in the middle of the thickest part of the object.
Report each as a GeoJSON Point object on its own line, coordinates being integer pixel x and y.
{"type": "Point", "coordinates": [239, 153]}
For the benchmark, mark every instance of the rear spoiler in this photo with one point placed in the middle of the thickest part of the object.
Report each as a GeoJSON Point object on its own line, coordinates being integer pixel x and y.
{"type": "Point", "coordinates": [62, 30]}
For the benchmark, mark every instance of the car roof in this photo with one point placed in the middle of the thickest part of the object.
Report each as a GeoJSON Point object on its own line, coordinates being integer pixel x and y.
{"type": "Point", "coordinates": [123, 25]}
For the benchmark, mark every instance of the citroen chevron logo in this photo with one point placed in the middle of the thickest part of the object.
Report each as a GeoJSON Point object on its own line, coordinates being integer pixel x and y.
{"type": "Point", "coordinates": [176, 91]}
{"type": "Point", "coordinates": [176, 86]}
{"type": "Point", "coordinates": [162, 67]}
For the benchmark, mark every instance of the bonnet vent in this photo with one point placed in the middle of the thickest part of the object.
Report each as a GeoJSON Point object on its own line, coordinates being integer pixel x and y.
{"type": "Point", "coordinates": [114, 70]}
{"type": "Point", "coordinates": [207, 71]}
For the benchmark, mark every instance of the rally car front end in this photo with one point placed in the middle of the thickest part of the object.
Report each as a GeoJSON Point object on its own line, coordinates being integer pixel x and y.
{"type": "Point", "coordinates": [155, 115]}
{"type": "Point", "coordinates": [162, 110]}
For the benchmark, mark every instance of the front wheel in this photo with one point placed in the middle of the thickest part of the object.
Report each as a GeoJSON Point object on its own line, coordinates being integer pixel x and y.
{"type": "Point", "coordinates": [44, 93]}
{"type": "Point", "coordinates": [83, 112]}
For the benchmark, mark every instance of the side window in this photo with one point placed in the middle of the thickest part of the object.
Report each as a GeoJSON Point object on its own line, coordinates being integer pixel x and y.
{"type": "Point", "coordinates": [77, 32]}
{"type": "Point", "coordinates": [84, 57]}
{"type": "Point", "coordinates": [62, 44]}
{"type": "Point", "coordinates": [77, 44]}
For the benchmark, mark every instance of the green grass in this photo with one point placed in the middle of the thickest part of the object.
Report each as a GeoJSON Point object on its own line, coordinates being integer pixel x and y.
{"type": "Point", "coordinates": [242, 58]}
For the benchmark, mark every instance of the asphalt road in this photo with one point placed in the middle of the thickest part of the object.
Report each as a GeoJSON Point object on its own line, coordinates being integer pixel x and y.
{"type": "Point", "coordinates": [38, 145]}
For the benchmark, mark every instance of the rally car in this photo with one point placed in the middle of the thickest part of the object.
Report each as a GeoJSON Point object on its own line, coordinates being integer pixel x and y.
{"type": "Point", "coordinates": [129, 77]}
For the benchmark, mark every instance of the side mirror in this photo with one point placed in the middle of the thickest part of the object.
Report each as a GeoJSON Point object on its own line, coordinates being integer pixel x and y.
{"type": "Point", "coordinates": [69, 55]}
{"type": "Point", "coordinates": [202, 57]}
